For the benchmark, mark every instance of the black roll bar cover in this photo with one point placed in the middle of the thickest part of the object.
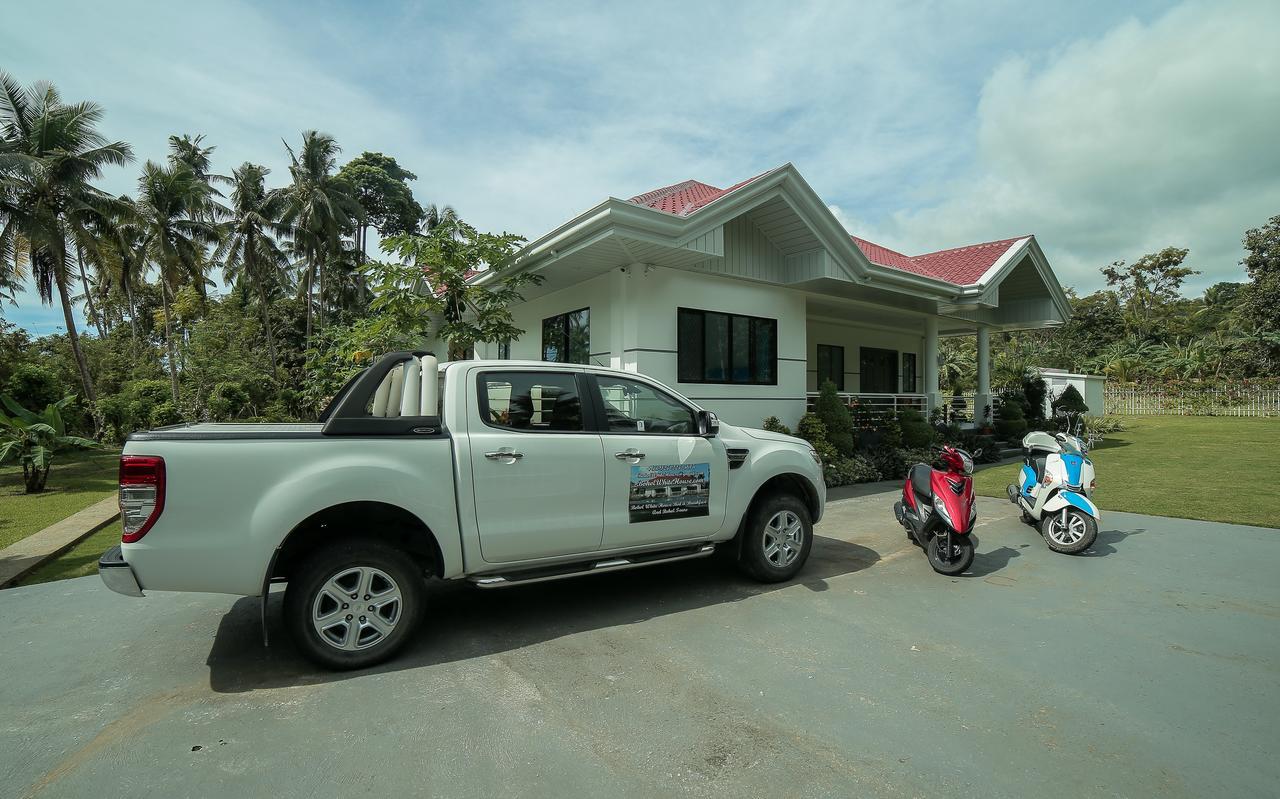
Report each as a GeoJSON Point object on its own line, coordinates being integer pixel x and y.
{"type": "Point", "coordinates": [347, 416]}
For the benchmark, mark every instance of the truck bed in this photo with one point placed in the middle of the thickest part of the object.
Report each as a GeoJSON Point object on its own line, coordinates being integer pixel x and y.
{"type": "Point", "coordinates": [228, 430]}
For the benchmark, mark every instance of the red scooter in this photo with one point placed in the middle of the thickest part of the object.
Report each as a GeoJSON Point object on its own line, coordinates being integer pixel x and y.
{"type": "Point", "coordinates": [938, 510]}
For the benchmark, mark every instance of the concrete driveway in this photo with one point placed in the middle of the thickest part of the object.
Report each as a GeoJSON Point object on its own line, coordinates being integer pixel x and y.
{"type": "Point", "coordinates": [1149, 667]}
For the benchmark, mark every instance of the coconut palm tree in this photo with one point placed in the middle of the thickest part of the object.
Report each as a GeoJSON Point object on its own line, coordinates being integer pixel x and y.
{"type": "Point", "coordinates": [51, 152]}
{"type": "Point", "coordinates": [174, 236]}
{"type": "Point", "coordinates": [319, 208]}
{"type": "Point", "coordinates": [249, 250]}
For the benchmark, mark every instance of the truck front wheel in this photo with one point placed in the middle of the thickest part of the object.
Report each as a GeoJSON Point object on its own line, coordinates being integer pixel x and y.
{"type": "Point", "coordinates": [353, 604]}
{"type": "Point", "coordinates": [776, 539]}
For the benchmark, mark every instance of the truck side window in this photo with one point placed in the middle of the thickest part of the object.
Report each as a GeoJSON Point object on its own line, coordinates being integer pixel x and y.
{"type": "Point", "coordinates": [532, 401]}
{"type": "Point", "coordinates": [633, 407]}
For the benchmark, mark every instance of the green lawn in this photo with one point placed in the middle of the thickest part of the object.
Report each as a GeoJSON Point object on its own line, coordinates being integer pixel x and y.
{"type": "Point", "coordinates": [78, 479]}
{"type": "Point", "coordinates": [80, 560]}
{"type": "Point", "coordinates": [1193, 467]}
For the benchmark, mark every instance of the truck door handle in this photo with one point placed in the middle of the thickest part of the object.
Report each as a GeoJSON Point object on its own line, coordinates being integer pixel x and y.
{"type": "Point", "coordinates": [493, 456]}
{"type": "Point", "coordinates": [630, 454]}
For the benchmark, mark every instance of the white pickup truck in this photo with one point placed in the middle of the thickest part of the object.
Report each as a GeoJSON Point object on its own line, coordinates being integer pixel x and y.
{"type": "Point", "coordinates": [497, 472]}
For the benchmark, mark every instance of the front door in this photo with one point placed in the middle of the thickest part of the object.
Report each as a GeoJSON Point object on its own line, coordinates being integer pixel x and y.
{"type": "Point", "coordinates": [663, 481]}
{"type": "Point", "coordinates": [538, 472]}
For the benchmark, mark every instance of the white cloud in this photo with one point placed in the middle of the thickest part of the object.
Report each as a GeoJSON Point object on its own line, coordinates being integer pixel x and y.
{"type": "Point", "coordinates": [1150, 135]}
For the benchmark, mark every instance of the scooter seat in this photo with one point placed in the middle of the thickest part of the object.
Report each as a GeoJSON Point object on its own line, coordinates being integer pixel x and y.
{"type": "Point", "coordinates": [920, 480]}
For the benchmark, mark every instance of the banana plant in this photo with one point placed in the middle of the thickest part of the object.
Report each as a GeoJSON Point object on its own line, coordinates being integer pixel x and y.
{"type": "Point", "coordinates": [34, 438]}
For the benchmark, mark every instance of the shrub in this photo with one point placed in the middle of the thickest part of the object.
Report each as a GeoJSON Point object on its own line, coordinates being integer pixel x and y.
{"type": "Point", "coordinates": [1034, 390]}
{"type": "Point", "coordinates": [835, 418]}
{"type": "Point", "coordinates": [1010, 424]}
{"type": "Point", "coordinates": [846, 471]}
{"type": "Point", "coordinates": [774, 425]}
{"type": "Point", "coordinates": [166, 413]}
{"type": "Point", "coordinates": [812, 429]}
{"type": "Point", "coordinates": [227, 401]}
{"type": "Point", "coordinates": [1104, 424]}
{"type": "Point", "coordinates": [1070, 401]}
{"type": "Point", "coordinates": [916, 432]}
{"type": "Point", "coordinates": [34, 386]}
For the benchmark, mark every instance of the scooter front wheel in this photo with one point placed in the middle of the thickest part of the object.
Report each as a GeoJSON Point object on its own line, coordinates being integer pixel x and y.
{"type": "Point", "coordinates": [959, 559]}
{"type": "Point", "coordinates": [1069, 531]}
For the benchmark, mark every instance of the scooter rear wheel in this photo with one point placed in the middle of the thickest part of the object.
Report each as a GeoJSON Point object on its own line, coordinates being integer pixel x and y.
{"type": "Point", "coordinates": [1075, 536]}
{"type": "Point", "coordinates": [961, 554]}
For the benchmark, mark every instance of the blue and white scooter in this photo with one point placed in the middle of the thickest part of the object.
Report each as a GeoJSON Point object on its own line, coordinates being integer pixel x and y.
{"type": "Point", "coordinates": [1057, 484]}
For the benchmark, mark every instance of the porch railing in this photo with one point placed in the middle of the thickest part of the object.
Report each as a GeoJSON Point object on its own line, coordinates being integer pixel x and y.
{"type": "Point", "coordinates": [880, 402]}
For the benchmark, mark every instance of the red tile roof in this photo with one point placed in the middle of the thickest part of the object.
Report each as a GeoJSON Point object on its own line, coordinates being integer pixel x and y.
{"type": "Point", "coordinates": [684, 198]}
{"type": "Point", "coordinates": [962, 266]}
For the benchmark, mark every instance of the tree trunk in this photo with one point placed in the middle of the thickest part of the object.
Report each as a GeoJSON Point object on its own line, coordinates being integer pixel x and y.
{"type": "Point", "coordinates": [133, 310]}
{"type": "Point", "coordinates": [266, 328]}
{"type": "Point", "coordinates": [168, 341]}
{"type": "Point", "coordinates": [320, 296]}
{"type": "Point", "coordinates": [69, 318]}
{"type": "Point", "coordinates": [310, 286]}
{"type": "Point", "coordinates": [88, 295]}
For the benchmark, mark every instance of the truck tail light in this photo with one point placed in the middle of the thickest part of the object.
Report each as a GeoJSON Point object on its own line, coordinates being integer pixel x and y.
{"type": "Point", "coordinates": [141, 494]}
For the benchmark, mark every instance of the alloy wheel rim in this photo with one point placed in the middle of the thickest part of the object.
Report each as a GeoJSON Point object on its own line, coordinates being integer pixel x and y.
{"type": "Point", "coordinates": [783, 538]}
{"type": "Point", "coordinates": [1070, 533]}
{"type": "Point", "coordinates": [356, 608]}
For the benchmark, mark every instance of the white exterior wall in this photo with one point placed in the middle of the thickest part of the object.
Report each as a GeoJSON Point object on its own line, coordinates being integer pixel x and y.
{"type": "Point", "coordinates": [1091, 388]}
{"type": "Point", "coordinates": [528, 316]}
{"type": "Point", "coordinates": [633, 327]}
{"type": "Point", "coordinates": [655, 295]}
{"type": "Point", "coordinates": [851, 337]}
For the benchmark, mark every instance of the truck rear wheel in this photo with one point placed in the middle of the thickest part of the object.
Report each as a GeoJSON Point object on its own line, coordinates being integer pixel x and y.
{"type": "Point", "coordinates": [353, 604]}
{"type": "Point", "coordinates": [776, 539]}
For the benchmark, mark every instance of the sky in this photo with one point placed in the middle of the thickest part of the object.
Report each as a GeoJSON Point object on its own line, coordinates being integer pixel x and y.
{"type": "Point", "coordinates": [1107, 129]}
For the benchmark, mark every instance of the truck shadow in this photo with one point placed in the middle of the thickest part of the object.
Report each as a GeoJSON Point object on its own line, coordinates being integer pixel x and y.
{"type": "Point", "coordinates": [464, 622]}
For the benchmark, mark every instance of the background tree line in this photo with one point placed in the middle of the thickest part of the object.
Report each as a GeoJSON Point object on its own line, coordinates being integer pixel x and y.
{"type": "Point", "coordinates": [307, 301]}
{"type": "Point", "coordinates": [1142, 329]}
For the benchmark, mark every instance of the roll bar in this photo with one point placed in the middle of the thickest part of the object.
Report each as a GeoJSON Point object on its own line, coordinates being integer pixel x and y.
{"type": "Point", "coordinates": [347, 415]}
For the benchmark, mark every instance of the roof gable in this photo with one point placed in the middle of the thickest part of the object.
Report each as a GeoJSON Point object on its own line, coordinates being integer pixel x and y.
{"type": "Point", "coordinates": [682, 199]}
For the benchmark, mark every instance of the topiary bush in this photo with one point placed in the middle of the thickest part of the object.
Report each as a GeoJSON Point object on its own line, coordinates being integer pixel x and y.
{"type": "Point", "coordinates": [835, 418]}
{"type": "Point", "coordinates": [774, 425]}
{"type": "Point", "coordinates": [1010, 424]}
{"type": "Point", "coordinates": [812, 429]}
{"type": "Point", "coordinates": [1034, 390]}
{"type": "Point", "coordinates": [915, 430]}
{"type": "Point", "coordinates": [1070, 401]}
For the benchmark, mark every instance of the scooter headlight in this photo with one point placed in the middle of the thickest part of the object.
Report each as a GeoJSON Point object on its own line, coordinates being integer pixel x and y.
{"type": "Point", "coordinates": [941, 508]}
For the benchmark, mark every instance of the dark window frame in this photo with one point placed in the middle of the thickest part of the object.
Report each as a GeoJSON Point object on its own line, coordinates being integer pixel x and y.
{"type": "Point", "coordinates": [682, 358]}
{"type": "Point", "coordinates": [909, 382]}
{"type": "Point", "coordinates": [564, 336]}
{"type": "Point", "coordinates": [839, 379]}
{"type": "Point", "coordinates": [590, 424]}
{"type": "Point", "coordinates": [895, 369]}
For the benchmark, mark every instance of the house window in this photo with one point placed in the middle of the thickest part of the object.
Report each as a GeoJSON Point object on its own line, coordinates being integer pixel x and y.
{"type": "Point", "coordinates": [567, 338]}
{"type": "Point", "coordinates": [909, 385]}
{"type": "Point", "coordinates": [830, 366]}
{"type": "Point", "coordinates": [878, 370]}
{"type": "Point", "coordinates": [504, 350]}
{"type": "Point", "coordinates": [726, 348]}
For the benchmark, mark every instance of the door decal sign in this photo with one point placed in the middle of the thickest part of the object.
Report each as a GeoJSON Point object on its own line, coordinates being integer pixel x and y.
{"type": "Point", "coordinates": [669, 491]}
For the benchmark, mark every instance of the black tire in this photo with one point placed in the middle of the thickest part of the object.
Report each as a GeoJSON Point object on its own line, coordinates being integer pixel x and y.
{"type": "Point", "coordinates": [372, 644]}
{"type": "Point", "coordinates": [962, 555]}
{"type": "Point", "coordinates": [1051, 521]}
{"type": "Point", "coordinates": [754, 560]}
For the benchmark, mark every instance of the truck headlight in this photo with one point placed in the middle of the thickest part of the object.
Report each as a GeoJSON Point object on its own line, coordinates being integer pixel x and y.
{"type": "Point", "coordinates": [813, 453]}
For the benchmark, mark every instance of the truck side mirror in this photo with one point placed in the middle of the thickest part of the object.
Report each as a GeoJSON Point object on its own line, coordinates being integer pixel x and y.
{"type": "Point", "coordinates": [708, 423]}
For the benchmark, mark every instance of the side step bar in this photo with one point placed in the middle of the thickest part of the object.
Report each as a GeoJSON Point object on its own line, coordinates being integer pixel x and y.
{"type": "Point", "coordinates": [592, 567]}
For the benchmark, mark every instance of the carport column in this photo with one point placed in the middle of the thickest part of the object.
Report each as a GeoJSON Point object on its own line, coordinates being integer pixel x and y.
{"type": "Point", "coordinates": [983, 396]}
{"type": "Point", "coordinates": [623, 320]}
{"type": "Point", "coordinates": [931, 360]}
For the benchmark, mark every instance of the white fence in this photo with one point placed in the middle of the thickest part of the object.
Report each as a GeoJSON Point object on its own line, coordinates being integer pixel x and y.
{"type": "Point", "coordinates": [1231, 401]}
{"type": "Point", "coordinates": [881, 402]}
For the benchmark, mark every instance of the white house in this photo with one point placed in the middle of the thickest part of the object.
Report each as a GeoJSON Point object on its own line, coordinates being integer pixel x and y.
{"type": "Point", "coordinates": [746, 298]}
